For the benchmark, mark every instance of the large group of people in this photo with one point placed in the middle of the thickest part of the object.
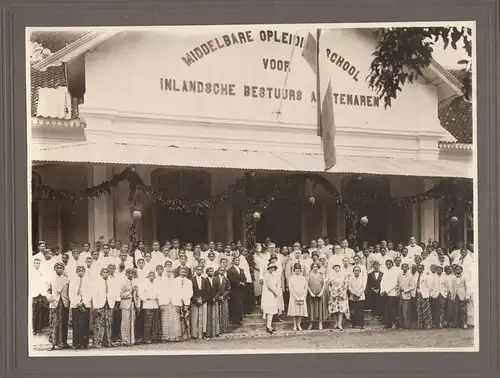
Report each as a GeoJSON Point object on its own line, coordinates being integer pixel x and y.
{"type": "Point", "coordinates": [113, 294]}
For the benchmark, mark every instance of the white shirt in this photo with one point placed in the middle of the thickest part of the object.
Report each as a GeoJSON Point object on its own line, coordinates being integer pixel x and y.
{"type": "Point", "coordinates": [38, 284]}
{"type": "Point", "coordinates": [348, 252]}
{"type": "Point", "coordinates": [85, 294]}
{"type": "Point", "coordinates": [165, 290]}
{"type": "Point", "coordinates": [392, 254]}
{"type": "Point", "coordinates": [100, 294]}
{"type": "Point", "coordinates": [47, 268]}
{"type": "Point", "coordinates": [246, 268]}
{"type": "Point", "coordinates": [407, 260]}
{"type": "Point", "coordinates": [114, 252]}
{"type": "Point", "coordinates": [389, 282]}
{"type": "Point", "coordinates": [455, 255]}
{"type": "Point", "coordinates": [148, 293]}
{"type": "Point", "coordinates": [129, 264]}
{"type": "Point", "coordinates": [363, 274]}
{"type": "Point", "coordinates": [104, 261]}
{"type": "Point", "coordinates": [414, 250]}
{"type": "Point", "coordinates": [182, 291]}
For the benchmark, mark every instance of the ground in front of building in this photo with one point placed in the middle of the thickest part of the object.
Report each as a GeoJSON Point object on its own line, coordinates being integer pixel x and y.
{"type": "Point", "coordinates": [313, 340]}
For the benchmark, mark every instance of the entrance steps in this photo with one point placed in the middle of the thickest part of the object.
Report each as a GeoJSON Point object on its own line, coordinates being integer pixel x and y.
{"type": "Point", "coordinates": [255, 324]}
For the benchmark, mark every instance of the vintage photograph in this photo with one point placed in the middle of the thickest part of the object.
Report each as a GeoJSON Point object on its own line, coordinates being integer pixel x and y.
{"type": "Point", "coordinates": [252, 189]}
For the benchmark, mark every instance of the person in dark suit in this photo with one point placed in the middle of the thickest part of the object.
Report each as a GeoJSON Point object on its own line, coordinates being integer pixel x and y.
{"type": "Point", "coordinates": [213, 325]}
{"type": "Point", "coordinates": [224, 288]}
{"type": "Point", "coordinates": [237, 280]}
{"type": "Point", "coordinates": [183, 264]}
{"type": "Point", "coordinates": [199, 305]}
{"type": "Point", "coordinates": [373, 291]}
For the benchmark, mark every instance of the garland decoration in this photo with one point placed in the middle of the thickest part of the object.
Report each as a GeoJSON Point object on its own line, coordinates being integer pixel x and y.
{"type": "Point", "coordinates": [457, 194]}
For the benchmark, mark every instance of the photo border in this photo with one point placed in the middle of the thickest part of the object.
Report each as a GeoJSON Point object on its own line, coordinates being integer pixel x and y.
{"type": "Point", "coordinates": [14, 219]}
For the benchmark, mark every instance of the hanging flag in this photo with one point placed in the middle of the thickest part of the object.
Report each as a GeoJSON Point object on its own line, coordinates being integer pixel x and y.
{"type": "Point", "coordinates": [324, 98]}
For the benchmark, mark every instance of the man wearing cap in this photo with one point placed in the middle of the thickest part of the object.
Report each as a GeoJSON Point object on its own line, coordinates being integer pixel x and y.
{"type": "Point", "coordinates": [127, 295]}
{"type": "Point", "coordinates": [80, 295]}
{"type": "Point", "coordinates": [389, 291]}
{"type": "Point", "coordinates": [413, 248]}
{"type": "Point", "coordinates": [58, 296]}
{"type": "Point", "coordinates": [421, 293]}
{"type": "Point", "coordinates": [405, 282]}
{"type": "Point", "coordinates": [39, 253]}
{"type": "Point", "coordinates": [103, 302]}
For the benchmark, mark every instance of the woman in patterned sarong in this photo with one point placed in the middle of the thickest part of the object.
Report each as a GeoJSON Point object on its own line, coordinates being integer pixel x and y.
{"type": "Point", "coordinates": [170, 317]}
{"type": "Point", "coordinates": [128, 308]}
{"type": "Point", "coordinates": [338, 304]}
{"type": "Point", "coordinates": [224, 287]}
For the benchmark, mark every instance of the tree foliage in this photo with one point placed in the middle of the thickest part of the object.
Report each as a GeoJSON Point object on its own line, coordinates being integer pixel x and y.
{"type": "Point", "coordinates": [402, 54]}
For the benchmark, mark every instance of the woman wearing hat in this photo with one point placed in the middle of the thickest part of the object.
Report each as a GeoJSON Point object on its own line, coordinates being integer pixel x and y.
{"type": "Point", "coordinates": [298, 293]}
{"type": "Point", "coordinates": [338, 304]}
{"type": "Point", "coordinates": [270, 293]}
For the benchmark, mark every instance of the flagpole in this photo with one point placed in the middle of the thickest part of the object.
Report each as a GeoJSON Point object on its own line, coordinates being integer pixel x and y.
{"type": "Point", "coordinates": [318, 86]}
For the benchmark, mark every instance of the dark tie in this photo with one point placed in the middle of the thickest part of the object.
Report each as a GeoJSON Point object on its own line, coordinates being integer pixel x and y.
{"type": "Point", "coordinates": [79, 291]}
{"type": "Point", "coordinates": [106, 282]}
{"type": "Point", "coordinates": [418, 282]}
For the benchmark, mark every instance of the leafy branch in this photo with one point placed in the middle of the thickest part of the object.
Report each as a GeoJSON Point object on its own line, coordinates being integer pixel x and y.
{"type": "Point", "coordinates": [402, 55]}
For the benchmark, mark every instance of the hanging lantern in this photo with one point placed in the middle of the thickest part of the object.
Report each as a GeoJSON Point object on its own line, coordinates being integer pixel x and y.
{"type": "Point", "coordinates": [312, 200]}
{"type": "Point", "coordinates": [256, 215]}
{"type": "Point", "coordinates": [364, 221]}
{"type": "Point", "coordinates": [136, 214]}
{"type": "Point", "coordinates": [454, 219]}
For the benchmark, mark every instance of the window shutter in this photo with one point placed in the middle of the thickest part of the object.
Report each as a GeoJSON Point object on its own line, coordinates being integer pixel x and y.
{"type": "Point", "coordinates": [50, 222]}
{"type": "Point", "coordinates": [193, 186]}
{"type": "Point", "coordinates": [169, 183]}
{"type": "Point", "coordinates": [218, 217]}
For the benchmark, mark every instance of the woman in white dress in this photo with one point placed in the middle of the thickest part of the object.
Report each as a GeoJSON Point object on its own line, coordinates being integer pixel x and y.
{"type": "Point", "coordinates": [281, 286]}
{"type": "Point", "coordinates": [270, 291]}
{"type": "Point", "coordinates": [298, 293]}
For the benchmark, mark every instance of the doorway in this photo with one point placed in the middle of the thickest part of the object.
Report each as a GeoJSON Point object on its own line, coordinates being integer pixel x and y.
{"type": "Point", "coordinates": [282, 222]}
{"type": "Point", "coordinates": [368, 195]}
{"type": "Point", "coordinates": [187, 185]}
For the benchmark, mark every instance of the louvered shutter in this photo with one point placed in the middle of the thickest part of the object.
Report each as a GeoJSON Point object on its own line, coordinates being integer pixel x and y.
{"type": "Point", "coordinates": [193, 186]}
{"type": "Point", "coordinates": [50, 223]}
{"type": "Point", "coordinates": [218, 221]}
{"type": "Point", "coordinates": [169, 183]}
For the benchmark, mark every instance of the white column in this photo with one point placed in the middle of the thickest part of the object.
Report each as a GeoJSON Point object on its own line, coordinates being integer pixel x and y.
{"type": "Point", "coordinates": [427, 216]}
{"type": "Point", "coordinates": [100, 209]}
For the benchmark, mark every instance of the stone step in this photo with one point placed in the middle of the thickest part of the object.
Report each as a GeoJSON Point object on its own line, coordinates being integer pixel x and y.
{"type": "Point", "coordinates": [255, 323]}
{"type": "Point", "coordinates": [287, 326]}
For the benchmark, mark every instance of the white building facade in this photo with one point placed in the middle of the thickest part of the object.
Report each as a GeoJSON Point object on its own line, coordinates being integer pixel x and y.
{"type": "Point", "coordinates": [193, 111]}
